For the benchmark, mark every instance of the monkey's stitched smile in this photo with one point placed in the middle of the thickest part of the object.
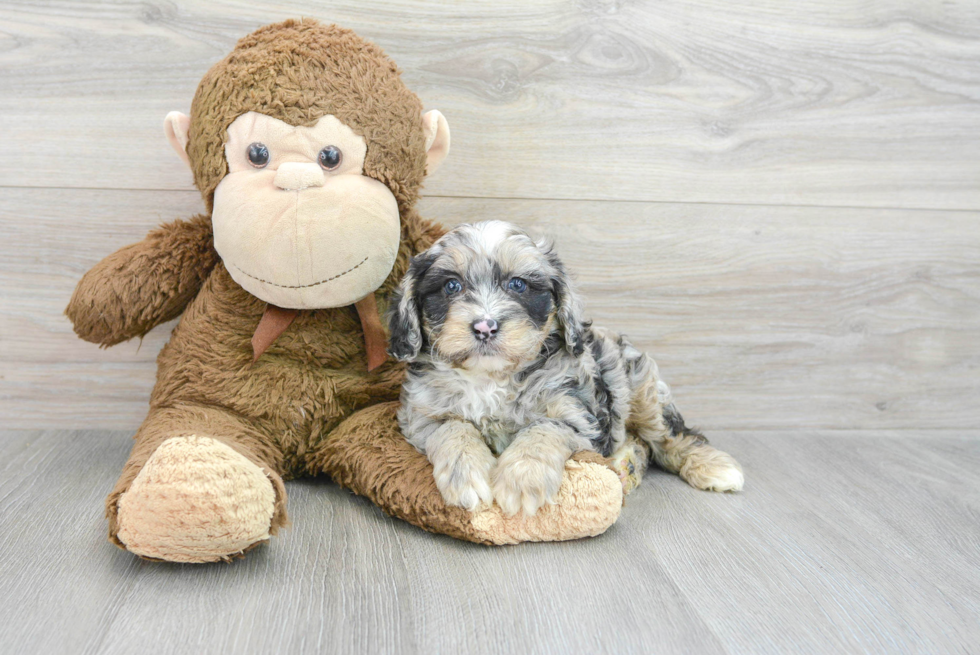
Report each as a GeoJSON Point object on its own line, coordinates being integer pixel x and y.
{"type": "Point", "coordinates": [299, 286]}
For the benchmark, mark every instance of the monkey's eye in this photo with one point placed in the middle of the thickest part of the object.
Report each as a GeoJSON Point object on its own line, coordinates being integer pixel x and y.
{"type": "Point", "coordinates": [258, 155]}
{"type": "Point", "coordinates": [452, 287]}
{"type": "Point", "coordinates": [517, 284]}
{"type": "Point", "coordinates": [330, 157]}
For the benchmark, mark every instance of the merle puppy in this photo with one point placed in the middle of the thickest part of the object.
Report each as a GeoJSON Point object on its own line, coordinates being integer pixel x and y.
{"type": "Point", "coordinates": [507, 380]}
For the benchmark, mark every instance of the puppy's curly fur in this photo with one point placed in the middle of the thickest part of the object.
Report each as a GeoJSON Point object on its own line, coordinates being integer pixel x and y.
{"type": "Point", "coordinates": [507, 380]}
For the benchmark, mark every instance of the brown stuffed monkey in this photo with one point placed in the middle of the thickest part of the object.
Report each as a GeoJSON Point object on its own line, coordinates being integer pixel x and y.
{"type": "Point", "coordinates": [309, 152]}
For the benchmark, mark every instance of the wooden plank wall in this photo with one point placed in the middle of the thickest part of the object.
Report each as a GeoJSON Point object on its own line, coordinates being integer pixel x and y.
{"type": "Point", "coordinates": [778, 200]}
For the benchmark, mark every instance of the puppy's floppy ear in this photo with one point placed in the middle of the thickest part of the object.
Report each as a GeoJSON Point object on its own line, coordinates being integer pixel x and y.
{"type": "Point", "coordinates": [567, 303]}
{"type": "Point", "coordinates": [405, 315]}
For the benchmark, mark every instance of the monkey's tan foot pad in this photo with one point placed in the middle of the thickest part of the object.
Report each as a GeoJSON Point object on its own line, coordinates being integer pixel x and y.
{"type": "Point", "coordinates": [196, 500]}
{"type": "Point", "coordinates": [589, 501]}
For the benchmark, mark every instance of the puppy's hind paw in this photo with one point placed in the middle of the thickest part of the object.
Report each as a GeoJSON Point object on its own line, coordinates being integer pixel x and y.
{"type": "Point", "coordinates": [712, 470]}
{"type": "Point", "coordinates": [630, 463]}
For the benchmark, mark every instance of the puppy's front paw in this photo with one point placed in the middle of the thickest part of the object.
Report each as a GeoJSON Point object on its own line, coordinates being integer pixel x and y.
{"type": "Point", "coordinates": [522, 481]}
{"type": "Point", "coordinates": [463, 477]}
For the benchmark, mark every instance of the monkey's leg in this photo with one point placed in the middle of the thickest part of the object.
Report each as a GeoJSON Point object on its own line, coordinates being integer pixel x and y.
{"type": "Point", "coordinates": [201, 485]}
{"type": "Point", "coordinates": [368, 454]}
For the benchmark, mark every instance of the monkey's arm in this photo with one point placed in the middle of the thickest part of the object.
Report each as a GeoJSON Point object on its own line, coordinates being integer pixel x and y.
{"type": "Point", "coordinates": [136, 288]}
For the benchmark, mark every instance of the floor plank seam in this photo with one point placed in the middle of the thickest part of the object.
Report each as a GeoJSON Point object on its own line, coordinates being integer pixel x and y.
{"type": "Point", "coordinates": [720, 203]}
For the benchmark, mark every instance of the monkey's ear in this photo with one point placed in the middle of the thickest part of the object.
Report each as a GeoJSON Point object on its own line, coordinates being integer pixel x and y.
{"type": "Point", "coordinates": [436, 139]}
{"type": "Point", "coordinates": [176, 126]}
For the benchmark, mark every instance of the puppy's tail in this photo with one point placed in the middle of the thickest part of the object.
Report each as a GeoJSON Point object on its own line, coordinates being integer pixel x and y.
{"type": "Point", "coordinates": [676, 448]}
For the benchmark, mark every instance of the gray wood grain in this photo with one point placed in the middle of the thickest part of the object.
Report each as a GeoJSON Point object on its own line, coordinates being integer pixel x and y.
{"type": "Point", "coordinates": [840, 542]}
{"type": "Point", "coordinates": [750, 191]}
{"type": "Point", "coordinates": [758, 316]}
{"type": "Point", "coordinates": [843, 102]}
{"type": "Point", "coordinates": [869, 541]}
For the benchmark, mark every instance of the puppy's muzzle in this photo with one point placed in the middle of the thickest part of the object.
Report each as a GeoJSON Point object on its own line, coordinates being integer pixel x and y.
{"type": "Point", "coordinates": [485, 328]}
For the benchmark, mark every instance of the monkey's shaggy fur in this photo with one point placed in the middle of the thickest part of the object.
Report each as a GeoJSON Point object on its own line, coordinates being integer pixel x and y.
{"type": "Point", "coordinates": [308, 406]}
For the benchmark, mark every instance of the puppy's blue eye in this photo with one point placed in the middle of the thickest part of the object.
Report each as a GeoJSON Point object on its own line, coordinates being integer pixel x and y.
{"type": "Point", "coordinates": [452, 286]}
{"type": "Point", "coordinates": [517, 284]}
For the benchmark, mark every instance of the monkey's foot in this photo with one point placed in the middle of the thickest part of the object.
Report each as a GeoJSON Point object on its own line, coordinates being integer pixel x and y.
{"type": "Point", "coordinates": [196, 500]}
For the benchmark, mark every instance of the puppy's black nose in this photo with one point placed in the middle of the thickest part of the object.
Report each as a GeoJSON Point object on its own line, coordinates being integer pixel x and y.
{"type": "Point", "coordinates": [484, 328]}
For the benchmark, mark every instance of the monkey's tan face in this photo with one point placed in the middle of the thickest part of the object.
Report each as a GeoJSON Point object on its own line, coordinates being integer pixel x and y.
{"type": "Point", "coordinates": [296, 221]}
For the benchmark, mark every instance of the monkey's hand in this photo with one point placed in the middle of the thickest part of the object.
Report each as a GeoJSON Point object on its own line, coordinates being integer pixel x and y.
{"type": "Point", "coordinates": [136, 288]}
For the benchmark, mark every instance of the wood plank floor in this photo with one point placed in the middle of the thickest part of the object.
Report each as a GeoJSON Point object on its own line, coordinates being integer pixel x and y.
{"type": "Point", "coordinates": [779, 200]}
{"type": "Point", "coordinates": [840, 543]}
